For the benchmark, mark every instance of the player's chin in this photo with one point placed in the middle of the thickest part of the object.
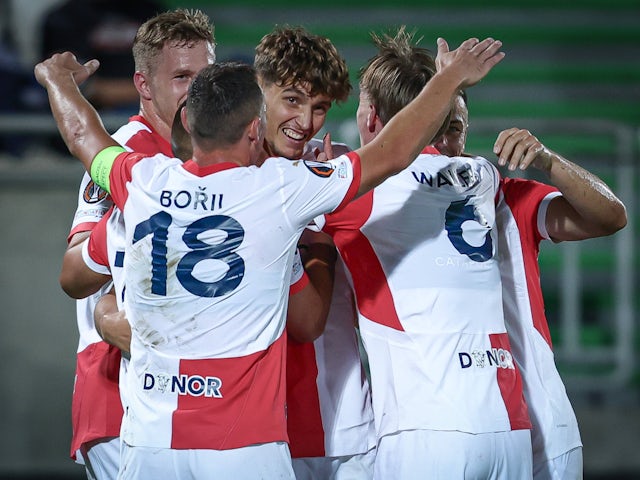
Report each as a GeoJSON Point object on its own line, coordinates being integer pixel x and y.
{"type": "Point", "coordinates": [291, 152]}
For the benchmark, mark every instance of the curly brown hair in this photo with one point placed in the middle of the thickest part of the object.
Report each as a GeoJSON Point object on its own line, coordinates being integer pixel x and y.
{"type": "Point", "coordinates": [177, 27]}
{"type": "Point", "coordinates": [291, 56]}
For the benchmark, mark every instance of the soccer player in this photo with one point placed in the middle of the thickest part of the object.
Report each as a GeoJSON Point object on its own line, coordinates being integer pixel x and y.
{"type": "Point", "coordinates": [421, 251]}
{"type": "Point", "coordinates": [169, 50]}
{"type": "Point", "coordinates": [329, 416]}
{"type": "Point", "coordinates": [209, 246]}
{"type": "Point", "coordinates": [577, 205]}
{"type": "Point", "coordinates": [330, 423]}
{"type": "Point", "coordinates": [527, 213]}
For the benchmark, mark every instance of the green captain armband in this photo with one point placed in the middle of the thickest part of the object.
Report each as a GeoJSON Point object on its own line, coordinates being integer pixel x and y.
{"type": "Point", "coordinates": [101, 166]}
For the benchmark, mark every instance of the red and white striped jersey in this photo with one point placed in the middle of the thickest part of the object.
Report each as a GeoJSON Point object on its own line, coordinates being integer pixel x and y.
{"type": "Point", "coordinates": [521, 218]}
{"type": "Point", "coordinates": [208, 259]}
{"type": "Point", "coordinates": [421, 252]}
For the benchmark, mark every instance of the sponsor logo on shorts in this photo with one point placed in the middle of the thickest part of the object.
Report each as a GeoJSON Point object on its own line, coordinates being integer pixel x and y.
{"type": "Point", "coordinates": [93, 193]}
{"type": "Point", "coordinates": [495, 357]}
{"type": "Point", "coordinates": [194, 385]}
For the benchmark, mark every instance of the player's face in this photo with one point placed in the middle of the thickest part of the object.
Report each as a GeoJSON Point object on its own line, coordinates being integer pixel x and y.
{"type": "Point", "coordinates": [363, 118]}
{"type": "Point", "coordinates": [169, 83]}
{"type": "Point", "coordinates": [452, 141]}
{"type": "Point", "coordinates": [293, 117]}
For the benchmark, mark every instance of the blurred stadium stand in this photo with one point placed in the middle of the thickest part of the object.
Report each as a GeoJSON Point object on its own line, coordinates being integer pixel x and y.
{"type": "Point", "coordinates": [571, 76]}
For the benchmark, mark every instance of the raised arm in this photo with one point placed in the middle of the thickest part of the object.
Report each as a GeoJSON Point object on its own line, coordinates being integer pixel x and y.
{"type": "Point", "coordinates": [80, 125]}
{"type": "Point", "coordinates": [587, 208]}
{"type": "Point", "coordinates": [411, 129]}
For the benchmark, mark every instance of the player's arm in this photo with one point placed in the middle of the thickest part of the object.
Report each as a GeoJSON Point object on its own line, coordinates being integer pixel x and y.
{"type": "Point", "coordinates": [308, 309]}
{"type": "Point", "coordinates": [78, 122]}
{"type": "Point", "coordinates": [111, 323]}
{"type": "Point", "coordinates": [414, 127]}
{"type": "Point", "coordinates": [587, 208]}
{"type": "Point", "coordinates": [76, 278]}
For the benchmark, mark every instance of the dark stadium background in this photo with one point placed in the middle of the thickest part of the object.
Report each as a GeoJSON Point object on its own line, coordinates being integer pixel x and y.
{"type": "Point", "coordinates": [572, 76]}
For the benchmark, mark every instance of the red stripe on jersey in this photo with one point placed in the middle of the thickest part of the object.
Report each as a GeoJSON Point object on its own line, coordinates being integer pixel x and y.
{"type": "Point", "coordinates": [510, 383]}
{"type": "Point", "coordinates": [81, 227]}
{"type": "Point", "coordinates": [304, 420]}
{"type": "Point", "coordinates": [373, 295]}
{"type": "Point", "coordinates": [355, 184]}
{"type": "Point", "coordinates": [120, 176]}
{"type": "Point", "coordinates": [300, 284]}
{"type": "Point", "coordinates": [97, 247]}
{"type": "Point", "coordinates": [250, 410]}
{"type": "Point", "coordinates": [96, 409]}
{"type": "Point", "coordinates": [523, 198]}
{"type": "Point", "coordinates": [148, 142]}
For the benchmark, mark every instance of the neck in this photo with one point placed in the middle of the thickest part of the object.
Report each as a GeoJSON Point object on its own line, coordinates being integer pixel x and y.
{"type": "Point", "coordinates": [233, 154]}
{"type": "Point", "coordinates": [157, 123]}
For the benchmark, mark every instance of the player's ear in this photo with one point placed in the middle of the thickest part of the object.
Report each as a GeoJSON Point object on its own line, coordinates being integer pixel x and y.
{"type": "Point", "coordinates": [183, 119]}
{"type": "Point", "coordinates": [372, 118]}
{"type": "Point", "coordinates": [254, 130]}
{"type": "Point", "coordinates": [140, 81]}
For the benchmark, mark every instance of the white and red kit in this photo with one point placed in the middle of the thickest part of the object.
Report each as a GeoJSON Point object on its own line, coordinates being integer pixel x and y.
{"type": "Point", "coordinates": [104, 253]}
{"type": "Point", "coordinates": [96, 407]}
{"type": "Point", "coordinates": [207, 265]}
{"type": "Point", "coordinates": [421, 251]}
{"type": "Point", "coordinates": [329, 411]}
{"type": "Point", "coordinates": [521, 216]}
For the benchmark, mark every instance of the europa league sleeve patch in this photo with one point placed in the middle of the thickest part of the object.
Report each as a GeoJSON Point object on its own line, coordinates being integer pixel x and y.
{"type": "Point", "coordinates": [93, 193]}
{"type": "Point", "coordinates": [321, 169]}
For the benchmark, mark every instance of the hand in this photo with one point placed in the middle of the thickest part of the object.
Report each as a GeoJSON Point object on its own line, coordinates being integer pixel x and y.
{"type": "Point", "coordinates": [519, 148]}
{"type": "Point", "coordinates": [60, 65]}
{"type": "Point", "coordinates": [111, 323]}
{"type": "Point", "coordinates": [471, 61]}
{"type": "Point", "coordinates": [327, 149]}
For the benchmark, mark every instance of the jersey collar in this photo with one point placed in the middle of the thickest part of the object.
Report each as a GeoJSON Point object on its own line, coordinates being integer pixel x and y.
{"type": "Point", "coordinates": [195, 169]}
{"type": "Point", "coordinates": [430, 149]}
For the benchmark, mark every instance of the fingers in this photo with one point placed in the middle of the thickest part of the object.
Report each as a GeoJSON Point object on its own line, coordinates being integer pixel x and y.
{"type": "Point", "coordinates": [517, 148]}
{"type": "Point", "coordinates": [65, 62]}
{"type": "Point", "coordinates": [488, 50]}
{"type": "Point", "coordinates": [91, 66]}
{"type": "Point", "coordinates": [328, 146]}
{"type": "Point", "coordinates": [443, 46]}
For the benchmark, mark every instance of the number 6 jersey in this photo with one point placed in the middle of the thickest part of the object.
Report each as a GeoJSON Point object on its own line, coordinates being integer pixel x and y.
{"type": "Point", "coordinates": [421, 252]}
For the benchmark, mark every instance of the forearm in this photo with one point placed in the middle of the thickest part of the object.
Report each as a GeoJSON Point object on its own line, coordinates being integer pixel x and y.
{"type": "Point", "coordinates": [409, 131]}
{"type": "Point", "coordinates": [600, 212]}
{"type": "Point", "coordinates": [76, 278]}
{"type": "Point", "coordinates": [319, 263]}
{"type": "Point", "coordinates": [112, 324]}
{"type": "Point", "coordinates": [78, 122]}
{"type": "Point", "coordinates": [308, 309]}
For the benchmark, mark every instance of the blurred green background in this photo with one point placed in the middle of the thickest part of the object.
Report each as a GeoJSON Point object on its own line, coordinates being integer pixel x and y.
{"type": "Point", "coordinates": [571, 76]}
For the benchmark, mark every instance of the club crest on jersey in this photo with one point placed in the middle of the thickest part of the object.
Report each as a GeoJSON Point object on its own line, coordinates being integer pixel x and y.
{"type": "Point", "coordinates": [193, 385]}
{"type": "Point", "coordinates": [93, 193]}
{"type": "Point", "coordinates": [321, 169]}
{"type": "Point", "coordinates": [496, 357]}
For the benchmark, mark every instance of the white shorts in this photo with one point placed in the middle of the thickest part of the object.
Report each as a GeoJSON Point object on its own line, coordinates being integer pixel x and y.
{"type": "Point", "coordinates": [419, 454]}
{"type": "Point", "coordinates": [267, 460]}
{"type": "Point", "coordinates": [352, 467]}
{"type": "Point", "coordinates": [565, 467]}
{"type": "Point", "coordinates": [102, 459]}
